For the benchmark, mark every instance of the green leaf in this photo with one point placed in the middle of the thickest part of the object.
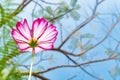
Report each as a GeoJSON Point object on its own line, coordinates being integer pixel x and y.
{"type": "Point", "coordinates": [40, 68]}
{"type": "Point", "coordinates": [109, 51]}
{"type": "Point", "coordinates": [64, 7]}
{"type": "Point", "coordinates": [87, 35]}
{"type": "Point", "coordinates": [89, 46]}
{"type": "Point", "coordinates": [49, 10]}
{"type": "Point", "coordinates": [73, 3]}
{"type": "Point", "coordinates": [73, 42]}
{"type": "Point", "coordinates": [75, 15]}
{"type": "Point", "coordinates": [41, 12]}
{"type": "Point", "coordinates": [112, 73]}
{"type": "Point", "coordinates": [47, 17]}
{"type": "Point", "coordinates": [77, 7]}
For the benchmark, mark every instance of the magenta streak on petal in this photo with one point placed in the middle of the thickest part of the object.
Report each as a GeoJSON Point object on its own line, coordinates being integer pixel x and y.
{"type": "Point", "coordinates": [25, 23]}
{"type": "Point", "coordinates": [24, 48]}
{"type": "Point", "coordinates": [51, 40]}
{"type": "Point", "coordinates": [45, 35]}
{"type": "Point", "coordinates": [55, 34]}
{"type": "Point", "coordinates": [46, 48]}
{"type": "Point", "coordinates": [40, 21]}
{"type": "Point", "coordinates": [54, 39]}
{"type": "Point", "coordinates": [22, 42]}
{"type": "Point", "coordinates": [52, 26]}
{"type": "Point", "coordinates": [33, 25]}
{"type": "Point", "coordinates": [19, 25]}
{"type": "Point", "coordinates": [43, 31]}
{"type": "Point", "coordinates": [54, 30]}
{"type": "Point", "coordinates": [44, 42]}
{"type": "Point", "coordinates": [41, 34]}
{"type": "Point", "coordinates": [13, 34]}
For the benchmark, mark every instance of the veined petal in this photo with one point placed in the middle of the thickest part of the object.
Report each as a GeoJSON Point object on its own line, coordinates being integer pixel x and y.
{"type": "Point", "coordinates": [17, 36]}
{"type": "Point", "coordinates": [37, 49]}
{"type": "Point", "coordinates": [24, 29]}
{"type": "Point", "coordinates": [38, 27]}
{"type": "Point", "coordinates": [49, 35]}
{"type": "Point", "coordinates": [23, 46]}
{"type": "Point", "coordinates": [29, 49]}
{"type": "Point", "coordinates": [43, 36]}
{"type": "Point", "coordinates": [46, 45]}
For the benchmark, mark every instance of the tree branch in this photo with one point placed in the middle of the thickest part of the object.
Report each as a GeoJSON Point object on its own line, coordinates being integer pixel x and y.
{"type": "Point", "coordinates": [76, 29]}
{"type": "Point", "coordinates": [70, 65]}
{"type": "Point", "coordinates": [54, 18]}
{"type": "Point", "coordinates": [80, 54]}
{"type": "Point", "coordinates": [20, 7]}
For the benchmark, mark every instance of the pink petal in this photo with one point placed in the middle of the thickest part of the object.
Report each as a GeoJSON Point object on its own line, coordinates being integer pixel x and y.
{"type": "Point", "coordinates": [24, 29]}
{"type": "Point", "coordinates": [49, 35]}
{"type": "Point", "coordinates": [29, 49]}
{"type": "Point", "coordinates": [37, 49]}
{"type": "Point", "coordinates": [23, 46]}
{"type": "Point", "coordinates": [17, 36]}
{"type": "Point", "coordinates": [46, 46]}
{"type": "Point", "coordinates": [38, 27]}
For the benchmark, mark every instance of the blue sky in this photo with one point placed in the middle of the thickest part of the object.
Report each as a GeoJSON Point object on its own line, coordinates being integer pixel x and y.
{"type": "Point", "coordinates": [96, 28]}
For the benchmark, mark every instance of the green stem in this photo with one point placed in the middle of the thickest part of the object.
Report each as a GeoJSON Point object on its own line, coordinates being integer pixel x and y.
{"type": "Point", "coordinates": [30, 73]}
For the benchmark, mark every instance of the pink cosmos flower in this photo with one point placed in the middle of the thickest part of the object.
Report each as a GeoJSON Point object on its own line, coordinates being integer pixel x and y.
{"type": "Point", "coordinates": [39, 37]}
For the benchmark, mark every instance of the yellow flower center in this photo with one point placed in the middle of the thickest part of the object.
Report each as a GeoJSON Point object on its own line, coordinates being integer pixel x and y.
{"type": "Point", "coordinates": [33, 43]}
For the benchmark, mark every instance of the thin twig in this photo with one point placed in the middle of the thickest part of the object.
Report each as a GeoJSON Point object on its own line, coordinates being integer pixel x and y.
{"type": "Point", "coordinates": [49, 2]}
{"type": "Point", "coordinates": [102, 40]}
{"type": "Point", "coordinates": [70, 65]}
{"type": "Point", "coordinates": [68, 11]}
{"type": "Point", "coordinates": [76, 29]}
{"type": "Point", "coordinates": [88, 73]}
{"type": "Point", "coordinates": [38, 4]}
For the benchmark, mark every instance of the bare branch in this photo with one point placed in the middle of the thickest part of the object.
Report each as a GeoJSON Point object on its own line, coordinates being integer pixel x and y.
{"type": "Point", "coordinates": [33, 74]}
{"type": "Point", "coordinates": [97, 4]}
{"type": "Point", "coordinates": [69, 65]}
{"type": "Point", "coordinates": [79, 27]}
{"type": "Point", "coordinates": [80, 54]}
{"type": "Point", "coordinates": [49, 2]}
{"type": "Point", "coordinates": [38, 4]}
{"type": "Point", "coordinates": [40, 77]}
{"type": "Point", "coordinates": [21, 7]}
{"type": "Point", "coordinates": [82, 24]}
{"type": "Point", "coordinates": [54, 18]}
{"type": "Point", "coordinates": [82, 64]}
{"type": "Point", "coordinates": [110, 30]}
{"type": "Point", "coordinates": [88, 73]}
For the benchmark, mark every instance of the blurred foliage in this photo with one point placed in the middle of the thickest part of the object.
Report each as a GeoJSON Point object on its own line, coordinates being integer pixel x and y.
{"type": "Point", "coordinates": [6, 17]}
{"type": "Point", "coordinates": [8, 48]}
{"type": "Point", "coordinates": [51, 13]}
{"type": "Point", "coordinates": [78, 39]}
{"type": "Point", "coordinates": [9, 68]}
{"type": "Point", "coordinates": [115, 72]}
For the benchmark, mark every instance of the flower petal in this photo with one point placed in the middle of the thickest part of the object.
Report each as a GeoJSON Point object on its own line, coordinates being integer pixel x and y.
{"type": "Point", "coordinates": [18, 37]}
{"type": "Point", "coordinates": [37, 49]}
{"type": "Point", "coordinates": [49, 35]}
{"type": "Point", "coordinates": [23, 46]}
{"type": "Point", "coordinates": [29, 49]}
{"type": "Point", "coordinates": [24, 29]}
{"type": "Point", "coordinates": [38, 27]}
{"type": "Point", "coordinates": [46, 46]}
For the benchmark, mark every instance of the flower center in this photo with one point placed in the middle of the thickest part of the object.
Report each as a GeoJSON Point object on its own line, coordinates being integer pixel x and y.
{"type": "Point", "coordinates": [33, 43]}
